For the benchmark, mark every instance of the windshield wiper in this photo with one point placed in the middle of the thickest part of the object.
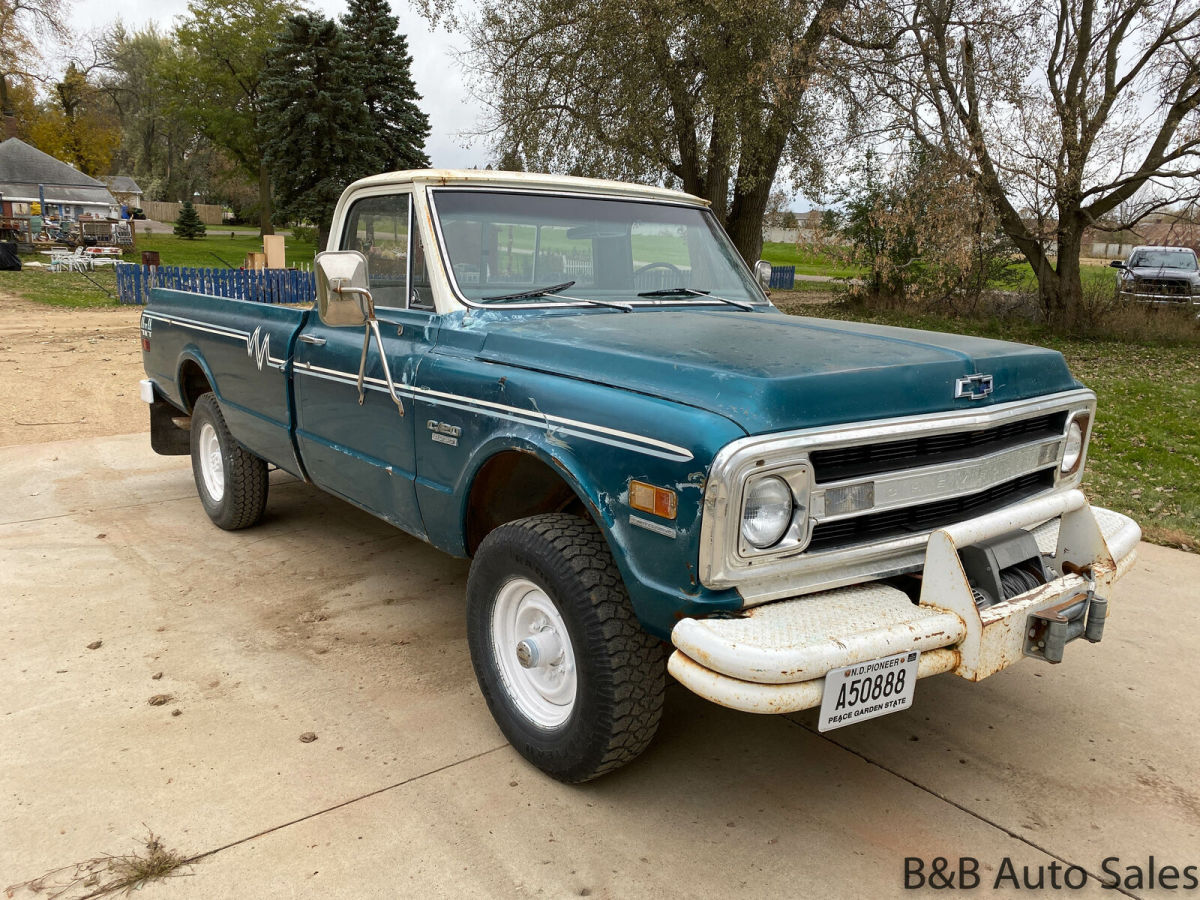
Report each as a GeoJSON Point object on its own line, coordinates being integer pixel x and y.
{"type": "Point", "coordinates": [676, 291]}
{"type": "Point", "coordinates": [536, 292]}
{"type": "Point", "coordinates": [623, 307]}
{"type": "Point", "coordinates": [552, 292]}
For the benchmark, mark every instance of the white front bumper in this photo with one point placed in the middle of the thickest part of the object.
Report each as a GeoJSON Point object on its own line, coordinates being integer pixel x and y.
{"type": "Point", "coordinates": [774, 657]}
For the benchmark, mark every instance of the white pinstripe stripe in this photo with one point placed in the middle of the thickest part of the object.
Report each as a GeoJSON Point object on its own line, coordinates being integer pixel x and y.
{"type": "Point", "coordinates": [556, 424]}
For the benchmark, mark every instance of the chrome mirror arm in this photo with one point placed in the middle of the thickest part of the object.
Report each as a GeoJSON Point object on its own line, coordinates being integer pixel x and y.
{"type": "Point", "coordinates": [368, 305]}
{"type": "Point", "coordinates": [373, 325]}
{"type": "Point", "coordinates": [362, 362]}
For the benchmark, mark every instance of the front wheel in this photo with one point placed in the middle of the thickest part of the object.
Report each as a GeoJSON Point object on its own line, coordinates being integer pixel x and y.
{"type": "Point", "coordinates": [231, 481]}
{"type": "Point", "coordinates": [569, 675]}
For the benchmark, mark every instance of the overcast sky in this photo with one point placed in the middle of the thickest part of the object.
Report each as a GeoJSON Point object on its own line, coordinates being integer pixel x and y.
{"type": "Point", "coordinates": [439, 78]}
{"type": "Point", "coordinates": [452, 112]}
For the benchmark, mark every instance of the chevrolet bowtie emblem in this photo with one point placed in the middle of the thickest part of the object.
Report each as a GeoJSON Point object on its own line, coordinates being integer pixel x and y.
{"type": "Point", "coordinates": [973, 387]}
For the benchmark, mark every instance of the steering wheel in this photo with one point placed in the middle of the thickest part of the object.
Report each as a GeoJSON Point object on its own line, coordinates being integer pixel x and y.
{"type": "Point", "coordinates": [657, 265]}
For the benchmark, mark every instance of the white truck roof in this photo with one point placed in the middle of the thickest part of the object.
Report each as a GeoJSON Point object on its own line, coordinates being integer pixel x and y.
{"type": "Point", "coordinates": [489, 178]}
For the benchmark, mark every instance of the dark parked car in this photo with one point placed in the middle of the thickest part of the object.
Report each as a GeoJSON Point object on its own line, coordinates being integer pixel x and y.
{"type": "Point", "coordinates": [1159, 275]}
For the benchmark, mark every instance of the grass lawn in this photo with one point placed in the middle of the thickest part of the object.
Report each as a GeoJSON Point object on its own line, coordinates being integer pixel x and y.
{"type": "Point", "coordinates": [1145, 450]}
{"type": "Point", "coordinates": [97, 288]}
{"type": "Point", "coordinates": [221, 248]}
{"type": "Point", "coordinates": [814, 287]}
{"type": "Point", "coordinates": [1096, 277]}
{"type": "Point", "coordinates": [807, 262]}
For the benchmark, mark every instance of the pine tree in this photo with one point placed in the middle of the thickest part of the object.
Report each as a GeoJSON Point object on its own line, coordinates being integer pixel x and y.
{"type": "Point", "coordinates": [384, 73]}
{"type": "Point", "coordinates": [317, 135]}
{"type": "Point", "coordinates": [188, 225]}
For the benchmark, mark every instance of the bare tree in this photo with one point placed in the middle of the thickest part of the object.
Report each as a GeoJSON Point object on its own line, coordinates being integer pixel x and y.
{"type": "Point", "coordinates": [24, 24]}
{"type": "Point", "coordinates": [713, 97]}
{"type": "Point", "coordinates": [1070, 114]}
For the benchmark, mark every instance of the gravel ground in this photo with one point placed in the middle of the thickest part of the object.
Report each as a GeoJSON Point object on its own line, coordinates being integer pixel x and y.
{"type": "Point", "coordinates": [68, 373]}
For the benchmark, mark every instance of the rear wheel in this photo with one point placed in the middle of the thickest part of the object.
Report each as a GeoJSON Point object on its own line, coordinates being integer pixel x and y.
{"type": "Point", "coordinates": [569, 675]}
{"type": "Point", "coordinates": [231, 481]}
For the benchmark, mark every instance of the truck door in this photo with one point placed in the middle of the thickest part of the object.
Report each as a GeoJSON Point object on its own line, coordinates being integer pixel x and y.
{"type": "Point", "coordinates": [364, 453]}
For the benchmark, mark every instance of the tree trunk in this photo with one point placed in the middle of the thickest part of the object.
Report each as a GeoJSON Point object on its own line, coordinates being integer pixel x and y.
{"type": "Point", "coordinates": [265, 226]}
{"type": "Point", "coordinates": [757, 166]}
{"type": "Point", "coordinates": [716, 180]}
{"type": "Point", "coordinates": [1061, 288]}
{"type": "Point", "coordinates": [746, 218]}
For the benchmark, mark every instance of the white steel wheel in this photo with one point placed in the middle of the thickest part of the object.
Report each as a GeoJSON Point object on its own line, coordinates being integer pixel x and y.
{"type": "Point", "coordinates": [534, 653]}
{"type": "Point", "coordinates": [212, 469]}
{"type": "Point", "coordinates": [231, 481]}
{"type": "Point", "coordinates": [569, 675]}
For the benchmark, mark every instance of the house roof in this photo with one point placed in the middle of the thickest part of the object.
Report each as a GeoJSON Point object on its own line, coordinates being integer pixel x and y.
{"type": "Point", "coordinates": [122, 184]}
{"type": "Point", "coordinates": [23, 168]}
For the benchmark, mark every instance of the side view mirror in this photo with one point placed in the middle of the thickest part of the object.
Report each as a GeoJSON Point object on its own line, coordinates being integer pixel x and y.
{"type": "Point", "coordinates": [762, 271]}
{"type": "Point", "coordinates": [1117, 264]}
{"type": "Point", "coordinates": [343, 298]}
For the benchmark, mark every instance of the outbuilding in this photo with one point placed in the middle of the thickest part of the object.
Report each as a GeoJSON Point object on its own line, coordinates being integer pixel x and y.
{"type": "Point", "coordinates": [125, 190]}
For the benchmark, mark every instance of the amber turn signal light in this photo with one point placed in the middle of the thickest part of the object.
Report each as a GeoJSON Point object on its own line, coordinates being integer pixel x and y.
{"type": "Point", "coordinates": [655, 500]}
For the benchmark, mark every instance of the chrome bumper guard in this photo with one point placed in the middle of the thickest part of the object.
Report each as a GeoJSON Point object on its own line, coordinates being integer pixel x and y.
{"type": "Point", "coordinates": [774, 657]}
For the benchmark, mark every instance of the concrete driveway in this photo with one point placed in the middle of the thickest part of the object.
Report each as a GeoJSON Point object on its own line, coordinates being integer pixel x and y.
{"type": "Point", "coordinates": [325, 620]}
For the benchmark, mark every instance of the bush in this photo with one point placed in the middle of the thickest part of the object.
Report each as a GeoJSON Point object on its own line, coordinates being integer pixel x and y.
{"type": "Point", "coordinates": [305, 234]}
{"type": "Point", "coordinates": [923, 232]}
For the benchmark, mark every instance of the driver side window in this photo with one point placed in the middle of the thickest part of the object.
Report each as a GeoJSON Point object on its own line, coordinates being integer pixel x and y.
{"type": "Point", "coordinates": [378, 227]}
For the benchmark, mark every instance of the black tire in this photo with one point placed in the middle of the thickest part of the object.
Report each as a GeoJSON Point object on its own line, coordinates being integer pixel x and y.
{"type": "Point", "coordinates": [240, 497]}
{"type": "Point", "coordinates": [620, 669]}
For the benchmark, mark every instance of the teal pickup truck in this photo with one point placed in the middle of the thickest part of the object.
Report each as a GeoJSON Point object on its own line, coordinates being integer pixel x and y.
{"type": "Point", "coordinates": [581, 386]}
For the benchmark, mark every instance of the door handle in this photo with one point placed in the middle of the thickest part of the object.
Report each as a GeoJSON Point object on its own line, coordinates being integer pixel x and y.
{"type": "Point", "coordinates": [310, 339]}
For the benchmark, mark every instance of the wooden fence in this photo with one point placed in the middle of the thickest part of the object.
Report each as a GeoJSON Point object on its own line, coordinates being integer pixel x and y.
{"type": "Point", "coordinates": [210, 213]}
{"type": "Point", "coordinates": [134, 283]}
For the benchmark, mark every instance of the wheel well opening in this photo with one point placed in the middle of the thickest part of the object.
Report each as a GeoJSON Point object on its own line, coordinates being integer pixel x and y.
{"type": "Point", "coordinates": [192, 383]}
{"type": "Point", "coordinates": [513, 485]}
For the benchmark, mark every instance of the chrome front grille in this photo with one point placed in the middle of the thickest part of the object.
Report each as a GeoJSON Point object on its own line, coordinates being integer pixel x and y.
{"type": "Point", "coordinates": [875, 490]}
{"type": "Point", "coordinates": [840, 463]}
{"type": "Point", "coordinates": [1158, 290]}
{"type": "Point", "coordinates": [925, 517]}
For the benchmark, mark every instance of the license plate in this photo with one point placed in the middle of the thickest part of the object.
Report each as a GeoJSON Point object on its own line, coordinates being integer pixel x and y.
{"type": "Point", "coordinates": [868, 689]}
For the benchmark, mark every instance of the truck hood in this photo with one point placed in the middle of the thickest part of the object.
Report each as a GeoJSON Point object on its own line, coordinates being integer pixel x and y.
{"type": "Point", "coordinates": [771, 372]}
{"type": "Point", "coordinates": [1163, 272]}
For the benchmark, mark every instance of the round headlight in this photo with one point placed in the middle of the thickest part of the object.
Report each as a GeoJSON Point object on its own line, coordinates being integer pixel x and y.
{"type": "Point", "coordinates": [1074, 449]}
{"type": "Point", "coordinates": [767, 513]}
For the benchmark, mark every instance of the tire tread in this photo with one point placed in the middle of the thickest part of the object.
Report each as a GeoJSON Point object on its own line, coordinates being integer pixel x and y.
{"type": "Point", "coordinates": [246, 480]}
{"type": "Point", "coordinates": [634, 684]}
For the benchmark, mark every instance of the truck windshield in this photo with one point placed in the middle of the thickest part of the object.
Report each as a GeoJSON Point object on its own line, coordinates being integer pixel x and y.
{"type": "Point", "coordinates": [1164, 259]}
{"type": "Point", "coordinates": [500, 244]}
